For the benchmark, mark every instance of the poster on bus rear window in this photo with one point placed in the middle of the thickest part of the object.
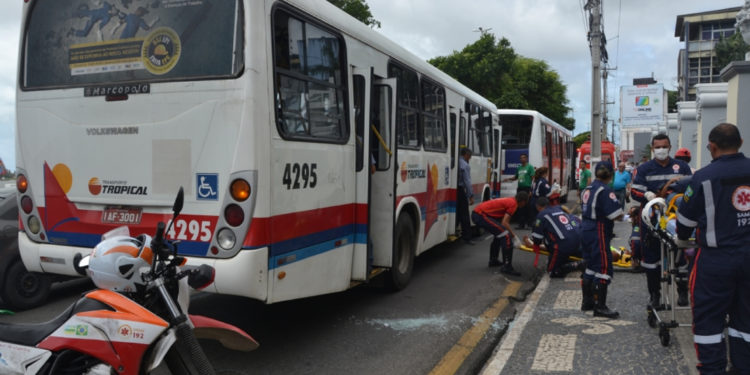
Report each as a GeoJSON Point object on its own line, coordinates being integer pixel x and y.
{"type": "Point", "coordinates": [81, 42]}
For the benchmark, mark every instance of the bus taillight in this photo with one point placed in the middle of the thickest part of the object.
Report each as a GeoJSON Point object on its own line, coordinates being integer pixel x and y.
{"type": "Point", "coordinates": [22, 183]}
{"type": "Point", "coordinates": [26, 204]}
{"type": "Point", "coordinates": [234, 215]}
{"type": "Point", "coordinates": [240, 190]}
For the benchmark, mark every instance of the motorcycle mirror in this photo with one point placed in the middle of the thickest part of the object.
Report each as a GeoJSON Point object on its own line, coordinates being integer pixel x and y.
{"type": "Point", "coordinates": [177, 207]}
{"type": "Point", "coordinates": [81, 263]}
{"type": "Point", "coordinates": [84, 262]}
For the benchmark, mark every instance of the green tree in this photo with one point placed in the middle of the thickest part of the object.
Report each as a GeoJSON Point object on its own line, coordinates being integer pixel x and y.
{"type": "Point", "coordinates": [731, 49]}
{"type": "Point", "coordinates": [580, 138]}
{"type": "Point", "coordinates": [493, 69]}
{"type": "Point", "coordinates": [357, 9]}
{"type": "Point", "coordinates": [672, 98]}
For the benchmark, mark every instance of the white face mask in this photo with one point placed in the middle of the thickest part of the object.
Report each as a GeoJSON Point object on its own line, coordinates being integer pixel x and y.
{"type": "Point", "coordinates": [661, 153]}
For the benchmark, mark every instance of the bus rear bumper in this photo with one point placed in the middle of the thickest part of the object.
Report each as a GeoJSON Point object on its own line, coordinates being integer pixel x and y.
{"type": "Point", "coordinates": [245, 274]}
{"type": "Point", "coordinates": [49, 258]}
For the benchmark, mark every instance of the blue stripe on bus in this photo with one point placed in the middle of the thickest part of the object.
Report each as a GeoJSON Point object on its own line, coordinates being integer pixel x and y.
{"type": "Point", "coordinates": [90, 240]}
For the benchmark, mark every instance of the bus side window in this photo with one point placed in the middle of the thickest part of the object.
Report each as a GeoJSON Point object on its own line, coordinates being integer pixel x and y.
{"type": "Point", "coordinates": [310, 92]}
{"type": "Point", "coordinates": [407, 119]}
{"type": "Point", "coordinates": [453, 140]}
{"type": "Point", "coordinates": [433, 117]}
{"type": "Point", "coordinates": [462, 133]}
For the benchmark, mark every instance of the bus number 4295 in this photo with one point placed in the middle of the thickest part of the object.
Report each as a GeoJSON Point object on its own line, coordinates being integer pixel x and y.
{"type": "Point", "coordinates": [300, 176]}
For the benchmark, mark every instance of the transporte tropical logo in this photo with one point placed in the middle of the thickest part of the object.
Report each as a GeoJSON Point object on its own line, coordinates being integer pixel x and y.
{"type": "Point", "coordinates": [95, 186]}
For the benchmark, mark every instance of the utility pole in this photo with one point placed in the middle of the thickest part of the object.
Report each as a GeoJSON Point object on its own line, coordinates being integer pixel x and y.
{"type": "Point", "coordinates": [605, 74]}
{"type": "Point", "coordinates": [605, 118]}
{"type": "Point", "coordinates": [595, 42]}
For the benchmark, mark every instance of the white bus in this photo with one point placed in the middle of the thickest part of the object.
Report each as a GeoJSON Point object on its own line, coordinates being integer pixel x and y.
{"type": "Point", "coordinates": [270, 114]}
{"type": "Point", "coordinates": [546, 143]}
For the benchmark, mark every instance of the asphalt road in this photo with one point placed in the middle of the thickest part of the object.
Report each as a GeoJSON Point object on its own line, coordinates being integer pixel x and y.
{"type": "Point", "coordinates": [366, 330]}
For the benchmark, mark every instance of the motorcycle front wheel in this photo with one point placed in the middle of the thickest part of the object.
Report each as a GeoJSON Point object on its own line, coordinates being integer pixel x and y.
{"type": "Point", "coordinates": [186, 357]}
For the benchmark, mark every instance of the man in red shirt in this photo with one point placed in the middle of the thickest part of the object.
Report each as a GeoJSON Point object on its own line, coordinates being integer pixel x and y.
{"type": "Point", "coordinates": [494, 216]}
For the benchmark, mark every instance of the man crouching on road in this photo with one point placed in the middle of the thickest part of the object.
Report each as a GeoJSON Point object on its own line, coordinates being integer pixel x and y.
{"type": "Point", "coordinates": [494, 216]}
{"type": "Point", "coordinates": [561, 234]}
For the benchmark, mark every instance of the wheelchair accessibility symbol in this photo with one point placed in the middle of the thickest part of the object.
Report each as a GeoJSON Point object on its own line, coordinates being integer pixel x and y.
{"type": "Point", "coordinates": [207, 187]}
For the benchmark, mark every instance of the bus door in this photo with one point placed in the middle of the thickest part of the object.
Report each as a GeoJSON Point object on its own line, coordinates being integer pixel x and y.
{"type": "Point", "coordinates": [361, 107]}
{"type": "Point", "coordinates": [496, 164]}
{"type": "Point", "coordinates": [382, 202]}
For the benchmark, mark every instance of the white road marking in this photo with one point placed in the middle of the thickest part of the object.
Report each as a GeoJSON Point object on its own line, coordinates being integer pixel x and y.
{"type": "Point", "coordinates": [594, 326]}
{"type": "Point", "coordinates": [568, 300]}
{"type": "Point", "coordinates": [555, 353]}
{"type": "Point", "coordinates": [511, 338]}
{"type": "Point", "coordinates": [573, 277]}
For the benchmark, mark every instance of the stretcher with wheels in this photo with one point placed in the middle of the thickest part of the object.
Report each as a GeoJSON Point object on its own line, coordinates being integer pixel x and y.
{"type": "Point", "coordinates": [621, 258]}
{"type": "Point", "coordinates": [660, 219]}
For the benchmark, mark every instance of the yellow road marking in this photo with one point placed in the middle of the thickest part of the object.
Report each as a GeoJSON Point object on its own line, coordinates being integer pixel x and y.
{"type": "Point", "coordinates": [455, 357]}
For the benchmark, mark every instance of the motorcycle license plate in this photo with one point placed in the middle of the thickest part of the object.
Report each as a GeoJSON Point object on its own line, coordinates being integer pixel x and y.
{"type": "Point", "coordinates": [119, 215]}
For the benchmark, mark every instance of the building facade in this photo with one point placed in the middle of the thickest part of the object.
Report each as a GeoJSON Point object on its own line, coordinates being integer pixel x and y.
{"type": "Point", "coordinates": [697, 59]}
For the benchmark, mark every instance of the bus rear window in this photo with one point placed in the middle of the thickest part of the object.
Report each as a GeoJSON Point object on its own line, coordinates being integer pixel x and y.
{"type": "Point", "coordinates": [516, 130]}
{"type": "Point", "coordinates": [84, 42]}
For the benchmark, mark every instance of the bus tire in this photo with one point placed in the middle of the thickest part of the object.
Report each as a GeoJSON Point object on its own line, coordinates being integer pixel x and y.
{"type": "Point", "coordinates": [22, 289]}
{"type": "Point", "coordinates": [402, 262]}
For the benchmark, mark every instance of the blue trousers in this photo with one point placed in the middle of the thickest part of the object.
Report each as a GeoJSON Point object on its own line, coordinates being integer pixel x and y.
{"type": "Point", "coordinates": [720, 284]}
{"type": "Point", "coordinates": [597, 255]}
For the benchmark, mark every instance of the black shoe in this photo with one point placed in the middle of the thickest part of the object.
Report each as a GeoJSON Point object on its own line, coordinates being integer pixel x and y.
{"type": "Point", "coordinates": [508, 270]}
{"type": "Point", "coordinates": [587, 302]}
{"type": "Point", "coordinates": [494, 263]}
{"type": "Point", "coordinates": [605, 312]}
{"type": "Point", "coordinates": [600, 302]}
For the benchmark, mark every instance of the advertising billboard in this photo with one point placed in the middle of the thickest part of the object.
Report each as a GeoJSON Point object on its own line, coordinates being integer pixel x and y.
{"type": "Point", "coordinates": [642, 104]}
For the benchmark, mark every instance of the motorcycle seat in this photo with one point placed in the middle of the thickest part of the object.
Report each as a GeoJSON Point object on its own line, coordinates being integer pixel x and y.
{"type": "Point", "coordinates": [31, 334]}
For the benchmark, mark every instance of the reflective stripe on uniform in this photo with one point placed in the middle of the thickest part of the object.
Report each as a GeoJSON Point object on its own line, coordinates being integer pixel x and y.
{"type": "Point", "coordinates": [664, 177]}
{"type": "Point", "coordinates": [557, 230]}
{"type": "Point", "coordinates": [598, 275]}
{"type": "Point", "coordinates": [739, 334]}
{"type": "Point", "coordinates": [638, 187]}
{"type": "Point", "coordinates": [708, 339]}
{"type": "Point", "coordinates": [710, 214]}
{"type": "Point", "coordinates": [615, 214]}
{"type": "Point", "coordinates": [593, 202]}
{"type": "Point", "coordinates": [650, 266]}
{"type": "Point", "coordinates": [685, 221]}
{"type": "Point", "coordinates": [501, 235]}
{"type": "Point", "coordinates": [537, 235]}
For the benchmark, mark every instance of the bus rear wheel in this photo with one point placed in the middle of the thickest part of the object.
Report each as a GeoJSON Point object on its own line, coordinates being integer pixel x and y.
{"type": "Point", "coordinates": [22, 289]}
{"type": "Point", "coordinates": [402, 261]}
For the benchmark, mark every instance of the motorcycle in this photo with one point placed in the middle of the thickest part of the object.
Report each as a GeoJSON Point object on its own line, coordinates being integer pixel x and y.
{"type": "Point", "coordinates": [136, 320]}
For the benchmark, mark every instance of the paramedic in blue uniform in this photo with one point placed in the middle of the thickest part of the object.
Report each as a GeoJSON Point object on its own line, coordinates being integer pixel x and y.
{"type": "Point", "coordinates": [717, 206]}
{"type": "Point", "coordinates": [600, 209]}
{"type": "Point", "coordinates": [464, 195]}
{"type": "Point", "coordinates": [539, 188]}
{"type": "Point", "coordinates": [648, 183]}
{"type": "Point", "coordinates": [561, 235]}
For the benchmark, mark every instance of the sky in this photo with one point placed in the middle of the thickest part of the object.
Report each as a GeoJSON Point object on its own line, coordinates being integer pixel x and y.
{"type": "Point", "coordinates": [640, 42]}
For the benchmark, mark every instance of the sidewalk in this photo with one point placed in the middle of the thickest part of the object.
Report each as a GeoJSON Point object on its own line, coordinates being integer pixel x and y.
{"type": "Point", "coordinates": [550, 333]}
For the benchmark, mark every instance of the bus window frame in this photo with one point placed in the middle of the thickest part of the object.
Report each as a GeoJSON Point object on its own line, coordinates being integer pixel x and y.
{"type": "Point", "coordinates": [343, 86]}
{"type": "Point", "coordinates": [440, 118]}
{"type": "Point", "coordinates": [400, 87]}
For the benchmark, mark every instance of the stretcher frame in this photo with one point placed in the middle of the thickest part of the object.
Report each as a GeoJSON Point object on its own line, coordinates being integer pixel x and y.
{"type": "Point", "coordinates": [664, 316]}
